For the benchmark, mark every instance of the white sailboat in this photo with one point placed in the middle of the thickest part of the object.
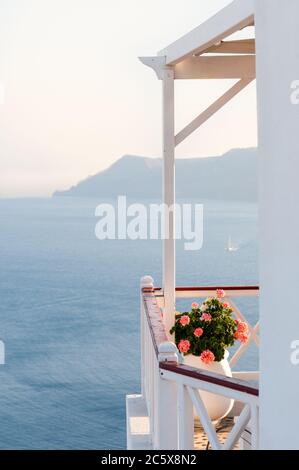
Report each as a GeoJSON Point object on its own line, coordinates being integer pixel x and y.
{"type": "Point", "coordinates": [230, 245]}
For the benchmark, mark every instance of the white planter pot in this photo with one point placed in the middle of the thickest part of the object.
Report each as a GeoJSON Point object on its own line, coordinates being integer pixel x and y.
{"type": "Point", "coordinates": [217, 406]}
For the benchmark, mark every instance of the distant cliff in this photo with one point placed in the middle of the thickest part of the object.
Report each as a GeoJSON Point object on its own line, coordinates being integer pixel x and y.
{"type": "Point", "coordinates": [232, 176]}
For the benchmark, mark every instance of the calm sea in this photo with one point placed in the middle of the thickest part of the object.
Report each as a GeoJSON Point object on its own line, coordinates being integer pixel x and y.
{"type": "Point", "coordinates": [69, 315]}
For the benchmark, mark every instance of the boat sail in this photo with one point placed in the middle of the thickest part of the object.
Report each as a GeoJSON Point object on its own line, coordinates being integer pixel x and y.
{"type": "Point", "coordinates": [230, 245]}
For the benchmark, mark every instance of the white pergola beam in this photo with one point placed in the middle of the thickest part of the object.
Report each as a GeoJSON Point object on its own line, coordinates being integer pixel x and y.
{"type": "Point", "coordinates": [237, 15]}
{"type": "Point", "coordinates": [206, 67]}
{"type": "Point", "coordinates": [240, 46]}
{"type": "Point", "coordinates": [216, 67]}
{"type": "Point", "coordinates": [211, 110]}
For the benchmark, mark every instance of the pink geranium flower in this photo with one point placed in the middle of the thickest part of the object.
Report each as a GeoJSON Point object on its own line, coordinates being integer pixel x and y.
{"type": "Point", "coordinates": [206, 317]}
{"type": "Point", "coordinates": [220, 293]}
{"type": "Point", "coordinates": [203, 307]}
{"type": "Point", "coordinates": [207, 356]}
{"type": "Point", "coordinates": [226, 305]}
{"type": "Point", "coordinates": [198, 332]}
{"type": "Point", "coordinates": [242, 326]}
{"type": "Point", "coordinates": [242, 337]}
{"type": "Point", "coordinates": [184, 320]}
{"type": "Point", "coordinates": [194, 305]}
{"type": "Point", "coordinates": [184, 346]}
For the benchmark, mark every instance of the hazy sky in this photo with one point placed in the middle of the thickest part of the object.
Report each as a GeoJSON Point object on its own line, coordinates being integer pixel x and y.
{"type": "Point", "coordinates": [77, 98]}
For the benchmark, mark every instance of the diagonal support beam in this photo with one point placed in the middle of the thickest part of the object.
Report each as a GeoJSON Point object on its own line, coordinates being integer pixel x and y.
{"type": "Point", "coordinates": [241, 350]}
{"type": "Point", "coordinates": [211, 110]}
{"type": "Point", "coordinates": [252, 330]}
{"type": "Point", "coordinates": [252, 335]}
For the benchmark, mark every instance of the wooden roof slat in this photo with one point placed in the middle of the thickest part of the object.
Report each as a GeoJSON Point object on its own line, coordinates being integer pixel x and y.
{"type": "Point", "coordinates": [241, 46]}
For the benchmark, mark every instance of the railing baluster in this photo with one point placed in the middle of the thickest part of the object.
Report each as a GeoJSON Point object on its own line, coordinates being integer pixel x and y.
{"type": "Point", "coordinates": [146, 282]}
{"type": "Point", "coordinates": [166, 434]}
{"type": "Point", "coordinates": [185, 419]}
{"type": "Point", "coordinates": [238, 428]}
{"type": "Point", "coordinates": [151, 383]}
{"type": "Point", "coordinates": [181, 417]}
{"type": "Point", "coordinates": [155, 398]}
{"type": "Point", "coordinates": [254, 424]}
{"type": "Point", "coordinates": [204, 418]}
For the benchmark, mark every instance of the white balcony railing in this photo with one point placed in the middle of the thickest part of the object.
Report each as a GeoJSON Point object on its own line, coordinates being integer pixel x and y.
{"type": "Point", "coordinates": [171, 389]}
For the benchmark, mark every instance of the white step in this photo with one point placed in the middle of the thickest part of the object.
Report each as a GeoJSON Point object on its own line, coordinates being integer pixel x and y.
{"type": "Point", "coordinates": [138, 428]}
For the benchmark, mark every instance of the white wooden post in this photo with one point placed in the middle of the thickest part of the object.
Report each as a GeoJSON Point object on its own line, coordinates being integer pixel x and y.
{"type": "Point", "coordinates": [277, 39]}
{"type": "Point", "coordinates": [166, 435]}
{"type": "Point", "coordinates": [169, 197]}
{"type": "Point", "coordinates": [145, 282]}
